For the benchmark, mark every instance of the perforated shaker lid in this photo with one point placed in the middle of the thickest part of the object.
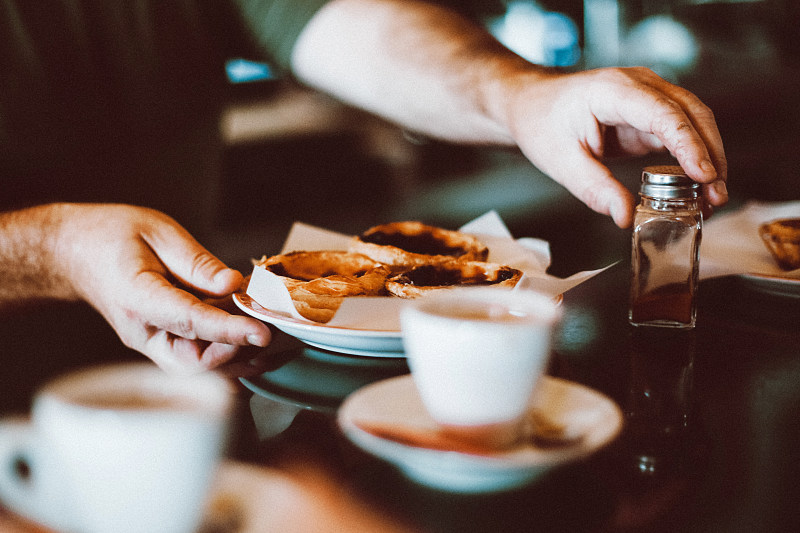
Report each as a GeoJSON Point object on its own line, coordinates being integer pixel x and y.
{"type": "Point", "coordinates": [668, 182]}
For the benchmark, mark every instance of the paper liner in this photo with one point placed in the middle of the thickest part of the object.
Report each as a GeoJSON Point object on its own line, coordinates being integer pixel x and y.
{"type": "Point", "coordinates": [732, 245]}
{"type": "Point", "coordinates": [531, 256]}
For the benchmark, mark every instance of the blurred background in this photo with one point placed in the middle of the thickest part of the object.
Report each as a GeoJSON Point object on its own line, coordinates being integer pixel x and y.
{"type": "Point", "coordinates": [740, 56]}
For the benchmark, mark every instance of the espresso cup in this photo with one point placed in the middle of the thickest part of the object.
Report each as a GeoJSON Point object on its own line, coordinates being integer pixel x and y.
{"type": "Point", "coordinates": [119, 448]}
{"type": "Point", "coordinates": [476, 355]}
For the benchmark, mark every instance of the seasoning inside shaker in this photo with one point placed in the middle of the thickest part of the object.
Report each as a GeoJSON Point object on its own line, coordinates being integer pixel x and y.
{"type": "Point", "coordinates": [665, 250]}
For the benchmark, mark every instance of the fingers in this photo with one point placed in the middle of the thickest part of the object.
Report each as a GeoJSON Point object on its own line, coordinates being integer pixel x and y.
{"type": "Point", "coordinates": [716, 192]}
{"type": "Point", "coordinates": [180, 332]}
{"type": "Point", "coordinates": [704, 124]}
{"type": "Point", "coordinates": [184, 315]}
{"type": "Point", "coordinates": [189, 261]}
{"type": "Point", "coordinates": [570, 123]}
{"type": "Point", "coordinates": [598, 189]}
{"type": "Point", "coordinates": [679, 120]}
{"type": "Point", "coordinates": [181, 356]}
{"type": "Point", "coordinates": [247, 362]}
{"type": "Point", "coordinates": [123, 267]}
{"type": "Point", "coordinates": [696, 144]}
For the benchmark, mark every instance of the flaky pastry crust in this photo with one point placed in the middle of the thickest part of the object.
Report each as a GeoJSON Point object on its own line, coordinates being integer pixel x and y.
{"type": "Point", "coordinates": [782, 239]}
{"type": "Point", "coordinates": [423, 279]}
{"type": "Point", "coordinates": [317, 281]}
{"type": "Point", "coordinates": [410, 243]}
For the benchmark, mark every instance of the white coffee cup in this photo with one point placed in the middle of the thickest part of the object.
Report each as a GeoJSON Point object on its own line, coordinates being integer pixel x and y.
{"type": "Point", "coordinates": [476, 355]}
{"type": "Point", "coordinates": [118, 448]}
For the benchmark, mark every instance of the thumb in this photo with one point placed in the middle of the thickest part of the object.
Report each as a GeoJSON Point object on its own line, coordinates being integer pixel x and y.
{"type": "Point", "coordinates": [189, 261]}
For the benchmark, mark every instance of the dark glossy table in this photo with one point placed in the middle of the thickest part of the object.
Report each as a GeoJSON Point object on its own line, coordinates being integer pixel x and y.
{"type": "Point", "coordinates": [711, 439]}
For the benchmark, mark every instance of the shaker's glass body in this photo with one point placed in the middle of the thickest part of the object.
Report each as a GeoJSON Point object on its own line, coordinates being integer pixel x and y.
{"type": "Point", "coordinates": [664, 262]}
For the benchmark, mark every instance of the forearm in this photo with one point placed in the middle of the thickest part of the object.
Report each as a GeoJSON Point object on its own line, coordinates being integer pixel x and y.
{"type": "Point", "coordinates": [29, 263]}
{"type": "Point", "coordinates": [421, 66]}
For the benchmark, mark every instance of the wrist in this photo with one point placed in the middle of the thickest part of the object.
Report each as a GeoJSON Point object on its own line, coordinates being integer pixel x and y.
{"type": "Point", "coordinates": [54, 250]}
{"type": "Point", "coordinates": [30, 259]}
{"type": "Point", "coordinates": [508, 80]}
{"type": "Point", "coordinates": [69, 257]}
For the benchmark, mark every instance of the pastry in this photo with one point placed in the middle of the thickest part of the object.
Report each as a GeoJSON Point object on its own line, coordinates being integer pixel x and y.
{"type": "Point", "coordinates": [406, 244]}
{"type": "Point", "coordinates": [782, 238]}
{"type": "Point", "coordinates": [318, 281]}
{"type": "Point", "coordinates": [423, 279]}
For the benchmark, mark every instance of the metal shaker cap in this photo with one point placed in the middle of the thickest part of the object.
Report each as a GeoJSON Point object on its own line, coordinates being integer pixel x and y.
{"type": "Point", "coordinates": [668, 182]}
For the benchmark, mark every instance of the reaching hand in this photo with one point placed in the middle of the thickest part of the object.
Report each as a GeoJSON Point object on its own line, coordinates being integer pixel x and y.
{"type": "Point", "coordinates": [466, 87]}
{"type": "Point", "coordinates": [567, 123]}
{"type": "Point", "coordinates": [146, 275]}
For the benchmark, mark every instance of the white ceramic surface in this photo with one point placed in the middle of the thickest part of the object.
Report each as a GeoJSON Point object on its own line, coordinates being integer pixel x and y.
{"type": "Point", "coordinates": [581, 410]}
{"type": "Point", "coordinates": [112, 467]}
{"type": "Point", "coordinates": [368, 343]}
{"type": "Point", "coordinates": [774, 284]}
{"type": "Point", "coordinates": [476, 354]}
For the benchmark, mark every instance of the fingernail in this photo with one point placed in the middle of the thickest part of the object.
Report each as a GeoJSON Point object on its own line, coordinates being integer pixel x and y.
{"type": "Point", "coordinates": [720, 188]}
{"type": "Point", "coordinates": [226, 277]}
{"type": "Point", "coordinates": [223, 274]}
{"type": "Point", "coordinates": [256, 340]}
{"type": "Point", "coordinates": [707, 166]}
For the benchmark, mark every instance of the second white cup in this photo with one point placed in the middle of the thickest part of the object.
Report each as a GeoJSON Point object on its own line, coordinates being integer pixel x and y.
{"type": "Point", "coordinates": [476, 356]}
{"type": "Point", "coordinates": [121, 448]}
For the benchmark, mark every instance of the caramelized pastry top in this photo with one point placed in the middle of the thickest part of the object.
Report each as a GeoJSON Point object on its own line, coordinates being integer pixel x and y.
{"type": "Point", "coordinates": [307, 266]}
{"type": "Point", "coordinates": [414, 243]}
{"type": "Point", "coordinates": [424, 278]}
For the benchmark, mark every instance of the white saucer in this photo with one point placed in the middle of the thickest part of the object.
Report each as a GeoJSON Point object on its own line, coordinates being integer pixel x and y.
{"type": "Point", "coordinates": [396, 400]}
{"type": "Point", "coordinates": [364, 342]}
{"type": "Point", "coordinates": [774, 283]}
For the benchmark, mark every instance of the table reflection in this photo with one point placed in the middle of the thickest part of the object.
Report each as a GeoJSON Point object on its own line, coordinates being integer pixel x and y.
{"type": "Point", "coordinates": [710, 442]}
{"type": "Point", "coordinates": [659, 402]}
{"type": "Point", "coordinates": [302, 378]}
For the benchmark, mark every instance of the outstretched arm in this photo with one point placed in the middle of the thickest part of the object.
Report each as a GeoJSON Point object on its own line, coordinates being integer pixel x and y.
{"type": "Point", "coordinates": [435, 72]}
{"type": "Point", "coordinates": [141, 270]}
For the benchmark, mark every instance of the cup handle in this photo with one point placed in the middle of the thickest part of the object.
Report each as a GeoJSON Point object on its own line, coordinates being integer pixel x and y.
{"type": "Point", "coordinates": [22, 488]}
{"type": "Point", "coordinates": [16, 485]}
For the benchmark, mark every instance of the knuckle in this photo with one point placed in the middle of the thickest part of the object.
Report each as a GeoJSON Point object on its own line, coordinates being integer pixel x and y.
{"type": "Point", "coordinates": [614, 75]}
{"type": "Point", "coordinates": [184, 328]}
{"type": "Point", "coordinates": [626, 75]}
{"type": "Point", "coordinates": [185, 320]}
{"type": "Point", "coordinates": [668, 117]}
{"type": "Point", "coordinates": [203, 264]}
{"type": "Point", "coordinates": [703, 112]}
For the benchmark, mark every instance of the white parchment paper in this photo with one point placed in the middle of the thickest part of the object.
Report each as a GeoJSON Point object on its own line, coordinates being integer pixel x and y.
{"type": "Point", "coordinates": [731, 244]}
{"type": "Point", "coordinates": [530, 255]}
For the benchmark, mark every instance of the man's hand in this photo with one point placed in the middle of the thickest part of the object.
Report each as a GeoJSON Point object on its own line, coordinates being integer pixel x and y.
{"type": "Point", "coordinates": [568, 123]}
{"type": "Point", "coordinates": [436, 73]}
{"type": "Point", "coordinates": [147, 276]}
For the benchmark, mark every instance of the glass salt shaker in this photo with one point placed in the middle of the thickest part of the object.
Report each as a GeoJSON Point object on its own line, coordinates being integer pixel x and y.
{"type": "Point", "coordinates": [667, 229]}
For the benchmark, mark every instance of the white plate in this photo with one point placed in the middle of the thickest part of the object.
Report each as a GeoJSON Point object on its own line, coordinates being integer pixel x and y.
{"type": "Point", "coordinates": [774, 284]}
{"type": "Point", "coordinates": [364, 342]}
{"type": "Point", "coordinates": [396, 400]}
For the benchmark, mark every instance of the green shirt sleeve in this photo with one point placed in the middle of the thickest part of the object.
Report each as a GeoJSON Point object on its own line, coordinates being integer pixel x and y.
{"type": "Point", "coordinates": [276, 24]}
